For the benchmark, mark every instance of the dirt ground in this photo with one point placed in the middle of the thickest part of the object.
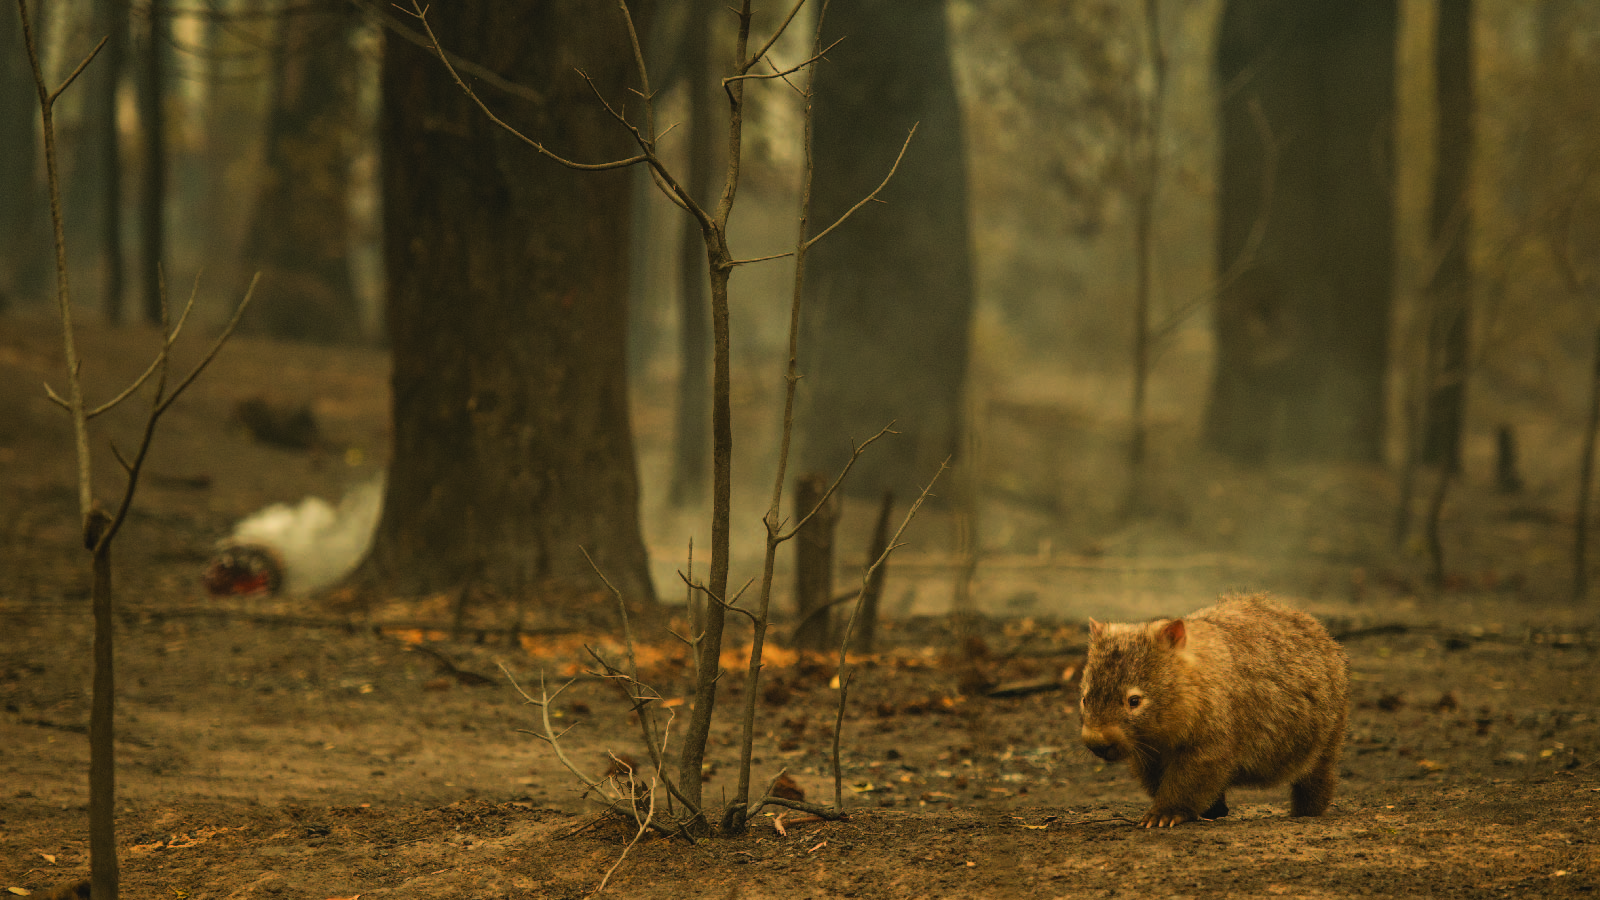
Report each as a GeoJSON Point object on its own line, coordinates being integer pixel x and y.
{"type": "Point", "coordinates": [288, 748]}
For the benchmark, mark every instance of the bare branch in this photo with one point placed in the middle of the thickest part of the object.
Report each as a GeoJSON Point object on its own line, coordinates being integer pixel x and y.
{"type": "Point", "coordinates": [855, 454]}
{"type": "Point", "coordinates": [792, 69]}
{"type": "Point", "coordinates": [870, 197]}
{"type": "Point", "coordinates": [644, 73]}
{"type": "Point", "coordinates": [56, 398]}
{"type": "Point", "coordinates": [745, 262]}
{"type": "Point", "coordinates": [170, 338]}
{"type": "Point", "coordinates": [543, 703]}
{"type": "Point", "coordinates": [639, 703]}
{"type": "Point", "coordinates": [850, 628]}
{"type": "Point", "coordinates": [643, 827]}
{"type": "Point", "coordinates": [420, 14]}
{"type": "Point", "coordinates": [466, 65]}
{"type": "Point", "coordinates": [766, 48]}
{"type": "Point", "coordinates": [831, 813]}
{"type": "Point", "coordinates": [79, 70]}
{"type": "Point", "coordinates": [121, 461]}
{"type": "Point", "coordinates": [216, 345]}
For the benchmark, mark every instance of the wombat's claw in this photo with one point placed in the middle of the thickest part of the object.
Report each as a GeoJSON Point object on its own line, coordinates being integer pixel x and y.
{"type": "Point", "coordinates": [1154, 819]}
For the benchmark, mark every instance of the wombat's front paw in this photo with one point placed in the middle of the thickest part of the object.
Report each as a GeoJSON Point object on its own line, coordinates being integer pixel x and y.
{"type": "Point", "coordinates": [1165, 818]}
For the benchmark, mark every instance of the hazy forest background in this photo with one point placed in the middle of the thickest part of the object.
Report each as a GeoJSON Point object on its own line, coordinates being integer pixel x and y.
{"type": "Point", "coordinates": [1192, 295]}
{"type": "Point", "coordinates": [1297, 398]}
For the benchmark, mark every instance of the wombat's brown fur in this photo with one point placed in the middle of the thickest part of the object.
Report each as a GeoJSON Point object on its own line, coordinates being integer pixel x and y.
{"type": "Point", "coordinates": [1246, 692]}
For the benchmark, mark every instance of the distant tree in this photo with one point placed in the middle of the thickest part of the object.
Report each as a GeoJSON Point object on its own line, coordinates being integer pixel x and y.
{"type": "Point", "coordinates": [1303, 335]}
{"type": "Point", "coordinates": [507, 312]}
{"type": "Point", "coordinates": [691, 451]}
{"type": "Point", "coordinates": [25, 270]}
{"type": "Point", "coordinates": [889, 305]}
{"type": "Point", "coordinates": [92, 198]}
{"type": "Point", "coordinates": [1450, 289]}
{"type": "Point", "coordinates": [299, 237]}
{"type": "Point", "coordinates": [153, 128]}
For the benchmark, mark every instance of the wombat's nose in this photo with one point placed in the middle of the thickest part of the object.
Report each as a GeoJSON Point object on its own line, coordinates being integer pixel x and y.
{"type": "Point", "coordinates": [1106, 751]}
{"type": "Point", "coordinates": [1102, 744]}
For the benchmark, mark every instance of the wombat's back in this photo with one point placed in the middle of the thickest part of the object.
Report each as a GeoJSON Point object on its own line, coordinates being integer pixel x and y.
{"type": "Point", "coordinates": [1278, 685]}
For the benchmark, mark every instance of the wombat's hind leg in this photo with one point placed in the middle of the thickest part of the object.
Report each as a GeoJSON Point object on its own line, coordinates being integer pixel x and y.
{"type": "Point", "coordinates": [1218, 809]}
{"type": "Point", "coordinates": [1311, 795]}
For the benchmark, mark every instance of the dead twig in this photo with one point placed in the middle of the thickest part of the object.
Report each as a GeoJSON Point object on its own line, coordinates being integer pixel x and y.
{"type": "Point", "coordinates": [644, 826]}
{"type": "Point", "coordinates": [849, 630]}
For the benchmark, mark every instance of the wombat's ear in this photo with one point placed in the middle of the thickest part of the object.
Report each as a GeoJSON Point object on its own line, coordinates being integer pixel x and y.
{"type": "Point", "coordinates": [1173, 635]}
{"type": "Point", "coordinates": [1096, 629]}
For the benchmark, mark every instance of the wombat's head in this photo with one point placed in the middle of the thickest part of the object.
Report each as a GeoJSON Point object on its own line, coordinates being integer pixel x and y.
{"type": "Point", "coordinates": [1127, 683]}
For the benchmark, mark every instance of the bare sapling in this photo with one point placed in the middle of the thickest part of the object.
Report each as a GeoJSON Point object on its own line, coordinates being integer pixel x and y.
{"type": "Point", "coordinates": [99, 526]}
{"type": "Point", "coordinates": [707, 639]}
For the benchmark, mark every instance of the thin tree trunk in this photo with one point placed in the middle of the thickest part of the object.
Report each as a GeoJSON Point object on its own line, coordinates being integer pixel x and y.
{"type": "Point", "coordinates": [1450, 290]}
{"type": "Point", "coordinates": [111, 58]}
{"type": "Point", "coordinates": [691, 447]}
{"type": "Point", "coordinates": [103, 869]}
{"type": "Point", "coordinates": [24, 221]}
{"type": "Point", "coordinates": [1580, 529]}
{"type": "Point", "coordinates": [152, 125]}
{"type": "Point", "coordinates": [1148, 161]}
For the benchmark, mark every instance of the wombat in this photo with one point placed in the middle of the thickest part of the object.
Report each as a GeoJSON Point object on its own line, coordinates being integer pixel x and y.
{"type": "Point", "coordinates": [1246, 692]}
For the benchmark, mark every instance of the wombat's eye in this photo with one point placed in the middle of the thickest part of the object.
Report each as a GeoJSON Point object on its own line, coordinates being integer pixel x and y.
{"type": "Point", "coordinates": [1134, 700]}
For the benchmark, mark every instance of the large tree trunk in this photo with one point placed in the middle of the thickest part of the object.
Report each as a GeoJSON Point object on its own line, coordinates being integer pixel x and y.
{"type": "Point", "coordinates": [889, 296]}
{"type": "Point", "coordinates": [1450, 292]}
{"type": "Point", "coordinates": [299, 239]}
{"type": "Point", "coordinates": [1302, 334]}
{"type": "Point", "coordinates": [507, 312]}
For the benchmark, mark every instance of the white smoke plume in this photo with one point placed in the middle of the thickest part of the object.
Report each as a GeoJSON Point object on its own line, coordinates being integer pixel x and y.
{"type": "Point", "coordinates": [319, 543]}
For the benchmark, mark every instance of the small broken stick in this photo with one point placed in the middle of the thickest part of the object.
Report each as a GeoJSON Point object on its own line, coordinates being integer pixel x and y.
{"type": "Point", "coordinates": [450, 669]}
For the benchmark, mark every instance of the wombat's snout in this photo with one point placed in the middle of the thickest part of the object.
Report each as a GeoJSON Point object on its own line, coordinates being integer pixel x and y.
{"type": "Point", "coordinates": [1102, 745]}
{"type": "Point", "coordinates": [1107, 752]}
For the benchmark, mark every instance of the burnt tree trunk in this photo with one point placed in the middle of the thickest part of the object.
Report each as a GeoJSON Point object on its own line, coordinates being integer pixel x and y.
{"type": "Point", "coordinates": [1450, 292]}
{"type": "Point", "coordinates": [872, 592]}
{"type": "Point", "coordinates": [153, 129]}
{"type": "Point", "coordinates": [889, 296]}
{"type": "Point", "coordinates": [106, 85]}
{"type": "Point", "coordinates": [299, 236]}
{"type": "Point", "coordinates": [813, 562]}
{"type": "Point", "coordinates": [1303, 334]}
{"type": "Point", "coordinates": [507, 313]}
